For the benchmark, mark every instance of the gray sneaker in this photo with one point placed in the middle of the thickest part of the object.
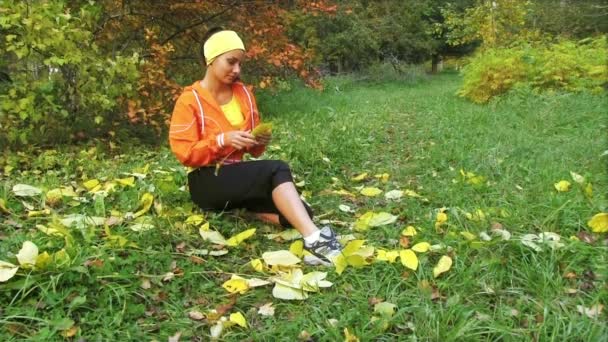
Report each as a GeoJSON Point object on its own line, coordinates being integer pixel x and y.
{"type": "Point", "coordinates": [324, 250]}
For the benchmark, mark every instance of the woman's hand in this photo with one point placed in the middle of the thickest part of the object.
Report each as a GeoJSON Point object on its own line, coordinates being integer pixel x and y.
{"type": "Point", "coordinates": [239, 139]}
{"type": "Point", "coordinates": [263, 139]}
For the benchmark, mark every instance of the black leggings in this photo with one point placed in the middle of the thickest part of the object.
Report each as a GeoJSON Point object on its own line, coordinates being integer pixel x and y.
{"type": "Point", "coordinates": [246, 185]}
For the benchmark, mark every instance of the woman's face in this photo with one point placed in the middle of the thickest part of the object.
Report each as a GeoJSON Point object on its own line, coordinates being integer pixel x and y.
{"type": "Point", "coordinates": [227, 67]}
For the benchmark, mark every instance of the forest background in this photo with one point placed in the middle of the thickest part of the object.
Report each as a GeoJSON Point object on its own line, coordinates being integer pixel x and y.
{"type": "Point", "coordinates": [76, 70]}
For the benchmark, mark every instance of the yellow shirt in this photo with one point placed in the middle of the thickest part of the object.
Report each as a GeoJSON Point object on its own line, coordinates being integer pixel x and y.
{"type": "Point", "coordinates": [232, 111]}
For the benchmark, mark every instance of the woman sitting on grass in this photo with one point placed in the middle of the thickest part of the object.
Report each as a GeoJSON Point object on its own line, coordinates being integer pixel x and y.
{"type": "Point", "coordinates": [212, 124]}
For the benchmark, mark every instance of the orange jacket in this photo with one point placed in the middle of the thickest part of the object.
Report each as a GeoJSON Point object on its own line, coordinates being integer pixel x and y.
{"type": "Point", "coordinates": [198, 125]}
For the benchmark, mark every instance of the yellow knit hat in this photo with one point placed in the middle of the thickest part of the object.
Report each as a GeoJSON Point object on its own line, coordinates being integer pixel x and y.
{"type": "Point", "coordinates": [221, 42]}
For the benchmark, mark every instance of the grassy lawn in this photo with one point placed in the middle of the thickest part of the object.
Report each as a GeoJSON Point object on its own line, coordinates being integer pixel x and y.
{"type": "Point", "coordinates": [422, 135]}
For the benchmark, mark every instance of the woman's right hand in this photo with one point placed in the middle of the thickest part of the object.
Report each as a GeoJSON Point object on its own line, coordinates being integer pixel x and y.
{"type": "Point", "coordinates": [239, 139]}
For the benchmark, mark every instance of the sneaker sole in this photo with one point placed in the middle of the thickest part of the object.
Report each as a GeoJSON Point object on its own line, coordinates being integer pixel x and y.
{"type": "Point", "coordinates": [315, 261]}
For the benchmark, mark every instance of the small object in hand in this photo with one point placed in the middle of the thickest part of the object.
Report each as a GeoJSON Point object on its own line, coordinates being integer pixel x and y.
{"type": "Point", "coordinates": [262, 129]}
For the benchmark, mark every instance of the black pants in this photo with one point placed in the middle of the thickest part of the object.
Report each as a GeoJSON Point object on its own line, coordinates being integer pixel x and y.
{"type": "Point", "coordinates": [246, 185]}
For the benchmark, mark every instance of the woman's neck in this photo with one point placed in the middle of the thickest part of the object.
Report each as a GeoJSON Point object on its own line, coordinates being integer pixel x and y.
{"type": "Point", "coordinates": [214, 86]}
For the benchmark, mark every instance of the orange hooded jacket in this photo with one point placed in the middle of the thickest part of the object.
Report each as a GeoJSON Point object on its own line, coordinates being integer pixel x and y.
{"type": "Point", "coordinates": [198, 125]}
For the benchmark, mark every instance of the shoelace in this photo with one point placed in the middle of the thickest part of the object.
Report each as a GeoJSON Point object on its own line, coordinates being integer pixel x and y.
{"type": "Point", "coordinates": [331, 241]}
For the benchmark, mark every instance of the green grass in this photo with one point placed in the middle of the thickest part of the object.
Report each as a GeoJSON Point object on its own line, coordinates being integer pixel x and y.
{"type": "Point", "coordinates": [417, 131]}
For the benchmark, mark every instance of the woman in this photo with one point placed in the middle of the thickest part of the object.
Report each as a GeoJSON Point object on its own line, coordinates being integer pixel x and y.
{"type": "Point", "coordinates": [211, 126]}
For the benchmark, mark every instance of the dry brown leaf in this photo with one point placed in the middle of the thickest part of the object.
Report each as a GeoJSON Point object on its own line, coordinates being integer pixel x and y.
{"type": "Point", "coordinates": [591, 312]}
{"type": "Point", "coordinates": [145, 284]}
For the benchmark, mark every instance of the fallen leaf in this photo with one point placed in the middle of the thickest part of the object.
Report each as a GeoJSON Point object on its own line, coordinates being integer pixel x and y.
{"type": "Point", "coordinates": [599, 223]}
{"type": "Point", "coordinates": [348, 337]}
{"type": "Point", "coordinates": [390, 256]}
{"type": "Point", "coordinates": [297, 248]}
{"type": "Point", "coordinates": [196, 315]}
{"type": "Point", "coordinates": [141, 227]}
{"type": "Point", "coordinates": [266, 309]}
{"type": "Point", "coordinates": [145, 284]}
{"type": "Point", "coordinates": [562, 186]}
{"type": "Point", "coordinates": [586, 237]}
{"type": "Point", "coordinates": [444, 265]}
{"type": "Point", "coordinates": [421, 247]}
{"type": "Point", "coordinates": [393, 195]}
{"type": "Point", "coordinates": [257, 265]}
{"type": "Point", "coordinates": [195, 220]}
{"type": "Point", "coordinates": [175, 338]}
{"type": "Point", "coordinates": [589, 191]}
{"type": "Point", "coordinates": [385, 309]}
{"type": "Point", "coordinates": [381, 219]}
{"type": "Point", "coordinates": [7, 271]}
{"type": "Point", "coordinates": [286, 235]}
{"type": "Point", "coordinates": [282, 257]}
{"type": "Point", "coordinates": [145, 204]}
{"type": "Point", "coordinates": [27, 254]}
{"type": "Point", "coordinates": [360, 177]}
{"type": "Point", "coordinates": [24, 190]}
{"type": "Point", "coordinates": [216, 330]}
{"type": "Point", "coordinates": [577, 178]}
{"type": "Point", "coordinates": [440, 219]}
{"type": "Point", "coordinates": [345, 208]}
{"type": "Point", "coordinates": [262, 129]}
{"type": "Point", "coordinates": [212, 236]}
{"type": "Point", "coordinates": [236, 285]}
{"type": "Point", "coordinates": [240, 237]}
{"type": "Point", "coordinates": [404, 241]}
{"type": "Point", "coordinates": [383, 177]}
{"type": "Point", "coordinates": [239, 319]}
{"type": "Point", "coordinates": [409, 231]}
{"type": "Point", "coordinates": [281, 291]}
{"type": "Point", "coordinates": [409, 259]}
{"type": "Point", "coordinates": [591, 312]}
{"type": "Point", "coordinates": [370, 191]}
{"type": "Point", "coordinates": [3, 208]}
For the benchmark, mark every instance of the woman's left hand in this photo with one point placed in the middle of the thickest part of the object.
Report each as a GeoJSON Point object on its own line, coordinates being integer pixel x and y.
{"type": "Point", "coordinates": [263, 139]}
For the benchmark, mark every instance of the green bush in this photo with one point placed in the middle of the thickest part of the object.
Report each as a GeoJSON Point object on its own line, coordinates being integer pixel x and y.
{"type": "Point", "coordinates": [58, 81]}
{"type": "Point", "coordinates": [561, 66]}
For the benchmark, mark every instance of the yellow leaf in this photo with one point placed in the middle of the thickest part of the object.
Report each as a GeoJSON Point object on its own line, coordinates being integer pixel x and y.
{"type": "Point", "coordinates": [360, 177]}
{"type": "Point", "coordinates": [343, 192]}
{"type": "Point", "coordinates": [469, 236]}
{"type": "Point", "coordinates": [348, 337]}
{"type": "Point", "coordinates": [240, 237]}
{"type": "Point", "coordinates": [257, 265]}
{"type": "Point", "coordinates": [129, 181]}
{"type": "Point", "coordinates": [91, 184]}
{"type": "Point", "coordinates": [236, 285]}
{"type": "Point", "coordinates": [370, 191]}
{"type": "Point", "coordinates": [313, 281]}
{"type": "Point", "coordinates": [297, 248]}
{"type": "Point", "coordinates": [204, 227]}
{"type": "Point", "coordinates": [421, 247]}
{"type": "Point", "coordinates": [145, 204]}
{"type": "Point", "coordinates": [383, 177]}
{"type": "Point", "coordinates": [444, 265]}
{"type": "Point", "coordinates": [562, 186]}
{"type": "Point", "coordinates": [599, 223]}
{"type": "Point", "coordinates": [239, 319]}
{"type": "Point", "coordinates": [27, 254]}
{"type": "Point", "coordinates": [356, 260]}
{"type": "Point", "coordinates": [412, 193]}
{"type": "Point", "coordinates": [381, 219]}
{"type": "Point", "coordinates": [362, 222]}
{"type": "Point", "coordinates": [38, 213]}
{"type": "Point", "coordinates": [3, 208]}
{"type": "Point", "coordinates": [282, 257]}
{"type": "Point", "coordinates": [7, 271]}
{"type": "Point", "coordinates": [390, 256]}
{"type": "Point", "coordinates": [340, 263]}
{"type": "Point", "coordinates": [43, 260]}
{"type": "Point", "coordinates": [409, 231]}
{"type": "Point", "coordinates": [194, 220]}
{"type": "Point", "coordinates": [440, 219]}
{"type": "Point", "coordinates": [409, 259]}
{"type": "Point", "coordinates": [262, 129]}
{"type": "Point", "coordinates": [352, 246]}
{"type": "Point", "coordinates": [393, 195]}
